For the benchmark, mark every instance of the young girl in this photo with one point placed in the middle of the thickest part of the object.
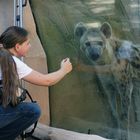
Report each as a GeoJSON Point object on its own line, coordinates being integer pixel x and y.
{"type": "Point", "coordinates": [15, 118]}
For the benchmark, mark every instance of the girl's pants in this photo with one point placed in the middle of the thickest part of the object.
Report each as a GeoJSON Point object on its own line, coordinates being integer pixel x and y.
{"type": "Point", "coordinates": [14, 120]}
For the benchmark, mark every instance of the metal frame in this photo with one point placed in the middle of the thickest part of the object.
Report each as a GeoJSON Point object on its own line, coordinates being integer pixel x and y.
{"type": "Point", "coordinates": [18, 12]}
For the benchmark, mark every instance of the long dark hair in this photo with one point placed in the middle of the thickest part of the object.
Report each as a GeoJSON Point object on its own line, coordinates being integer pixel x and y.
{"type": "Point", "coordinates": [9, 78]}
{"type": "Point", "coordinates": [9, 38]}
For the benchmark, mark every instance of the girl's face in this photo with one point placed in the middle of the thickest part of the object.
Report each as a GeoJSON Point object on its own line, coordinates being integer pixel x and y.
{"type": "Point", "coordinates": [22, 49]}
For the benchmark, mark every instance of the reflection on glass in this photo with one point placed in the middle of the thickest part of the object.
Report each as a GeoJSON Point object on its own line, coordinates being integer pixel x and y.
{"type": "Point", "coordinates": [102, 95]}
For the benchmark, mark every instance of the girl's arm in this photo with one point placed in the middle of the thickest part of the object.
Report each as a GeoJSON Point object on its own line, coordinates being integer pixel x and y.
{"type": "Point", "coordinates": [49, 79]}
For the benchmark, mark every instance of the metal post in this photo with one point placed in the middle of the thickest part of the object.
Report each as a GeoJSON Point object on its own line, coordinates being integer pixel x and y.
{"type": "Point", "coordinates": [21, 13]}
{"type": "Point", "coordinates": [18, 12]}
{"type": "Point", "coordinates": [15, 12]}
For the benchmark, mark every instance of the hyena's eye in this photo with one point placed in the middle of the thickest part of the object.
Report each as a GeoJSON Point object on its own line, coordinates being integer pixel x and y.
{"type": "Point", "coordinates": [87, 43]}
{"type": "Point", "coordinates": [100, 43]}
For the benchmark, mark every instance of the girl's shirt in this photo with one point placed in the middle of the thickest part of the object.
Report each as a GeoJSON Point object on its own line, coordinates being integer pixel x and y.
{"type": "Point", "coordinates": [22, 69]}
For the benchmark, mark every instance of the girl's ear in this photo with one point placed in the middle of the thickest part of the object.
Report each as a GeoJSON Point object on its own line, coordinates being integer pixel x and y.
{"type": "Point", "coordinates": [17, 47]}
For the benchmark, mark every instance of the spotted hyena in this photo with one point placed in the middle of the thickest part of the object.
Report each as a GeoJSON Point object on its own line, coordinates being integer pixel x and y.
{"type": "Point", "coordinates": [116, 63]}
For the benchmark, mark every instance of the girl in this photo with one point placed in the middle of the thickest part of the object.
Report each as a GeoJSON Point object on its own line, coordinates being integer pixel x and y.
{"type": "Point", "coordinates": [15, 118]}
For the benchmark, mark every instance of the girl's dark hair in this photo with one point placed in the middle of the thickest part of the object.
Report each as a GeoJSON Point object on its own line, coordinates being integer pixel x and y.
{"type": "Point", "coordinates": [9, 78]}
{"type": "Point", "coordinates": [13, 35]}
{"type": "Point", "coordinates": [9, 38]}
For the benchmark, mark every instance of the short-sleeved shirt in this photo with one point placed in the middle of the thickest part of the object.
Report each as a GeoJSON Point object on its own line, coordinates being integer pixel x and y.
{"type": "Point", "coordinates": [22, 69]}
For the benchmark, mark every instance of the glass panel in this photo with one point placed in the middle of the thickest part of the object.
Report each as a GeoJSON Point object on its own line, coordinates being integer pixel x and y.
{"type": "Point", "coordinates": [101, 37]}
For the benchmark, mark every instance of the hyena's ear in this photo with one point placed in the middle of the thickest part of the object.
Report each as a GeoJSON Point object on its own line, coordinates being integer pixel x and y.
{"type": "Point", "coordinates": [79, 30]}
{"type": "Point", "coordinates": [106, 29]}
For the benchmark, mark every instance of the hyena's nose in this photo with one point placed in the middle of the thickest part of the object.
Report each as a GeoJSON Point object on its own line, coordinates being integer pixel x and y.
{"type": "Point", "coordinates": [94, 53]}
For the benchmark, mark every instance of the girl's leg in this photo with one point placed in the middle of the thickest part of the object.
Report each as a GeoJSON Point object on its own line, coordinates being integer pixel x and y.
{"type": "Point", "coordinates": [17, 119]}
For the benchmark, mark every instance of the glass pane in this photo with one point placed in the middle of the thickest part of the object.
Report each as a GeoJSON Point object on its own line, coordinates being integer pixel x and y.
{"type": "Point", "coordinates": [101, 37]}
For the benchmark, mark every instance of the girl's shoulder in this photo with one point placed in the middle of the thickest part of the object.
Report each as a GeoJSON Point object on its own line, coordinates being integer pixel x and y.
{"type": "Point", "coordinates": [22, 68]}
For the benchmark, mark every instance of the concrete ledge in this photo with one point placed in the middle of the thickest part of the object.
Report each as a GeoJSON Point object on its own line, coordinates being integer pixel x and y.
{"type": "Point", "coordinates": [45, 132]}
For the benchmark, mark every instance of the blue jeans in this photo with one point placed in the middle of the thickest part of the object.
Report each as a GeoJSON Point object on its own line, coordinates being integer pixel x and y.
{"type": "Point", "coordinates": [14, 120]}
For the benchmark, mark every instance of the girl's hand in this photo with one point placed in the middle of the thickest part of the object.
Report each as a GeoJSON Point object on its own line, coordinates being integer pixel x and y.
{"type": "Point", "coordinates": [66, 65]}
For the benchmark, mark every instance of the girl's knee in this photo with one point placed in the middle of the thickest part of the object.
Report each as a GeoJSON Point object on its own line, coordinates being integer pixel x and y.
{"type": "Point", "coordinates": [36, 109]}
{"type": "Point", "coordinates": [30, 109]}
